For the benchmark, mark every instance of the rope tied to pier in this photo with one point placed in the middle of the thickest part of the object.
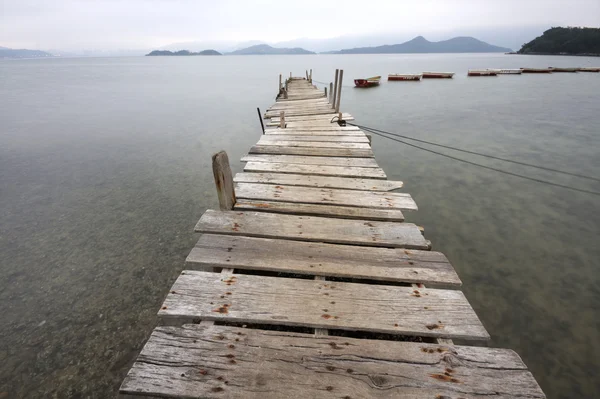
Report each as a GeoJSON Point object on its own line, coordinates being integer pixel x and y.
{"type": "Point", "coordinates": [393, 137]}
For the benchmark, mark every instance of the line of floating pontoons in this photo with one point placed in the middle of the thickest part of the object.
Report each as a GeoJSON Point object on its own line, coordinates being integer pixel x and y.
{"type": "Point", "coordinates": [374, 81]}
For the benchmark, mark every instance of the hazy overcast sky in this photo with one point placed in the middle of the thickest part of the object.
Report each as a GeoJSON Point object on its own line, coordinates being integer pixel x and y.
{"type": "Point", "coordinates": [112, 24]}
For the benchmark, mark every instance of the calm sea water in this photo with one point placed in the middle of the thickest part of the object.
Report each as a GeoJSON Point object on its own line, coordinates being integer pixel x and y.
{"type": "Point", "coordinates": [105, 168]}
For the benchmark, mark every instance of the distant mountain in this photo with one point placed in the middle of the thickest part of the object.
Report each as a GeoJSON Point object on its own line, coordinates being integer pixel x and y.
{"type": "Point", "coordinates": [566, 41]}
{"type": "Point", "coordinates": [265, 49]}
{"type": "Point", "coordinates": [222, 46]}
{"type": "Point", "coordinates": [22, 53]}
{"type": "Point", "coordinates": [421, 45]}
{"type": "Point", "coordinates": [182, 53]}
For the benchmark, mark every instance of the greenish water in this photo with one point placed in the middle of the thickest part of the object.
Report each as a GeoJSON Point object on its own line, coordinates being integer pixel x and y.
{"type": "Point", "coordinates": [105, 168]}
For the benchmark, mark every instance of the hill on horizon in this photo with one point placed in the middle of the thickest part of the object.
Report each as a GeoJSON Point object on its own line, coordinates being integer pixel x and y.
{"type": "Point", "coordinates": [265, 49]}
{"type": "Point", "coordinates": [181, 53]}
{"type": "Point", "coordinates": [6, 52]}
{"type": "Point", "coordinates": [461, 44]}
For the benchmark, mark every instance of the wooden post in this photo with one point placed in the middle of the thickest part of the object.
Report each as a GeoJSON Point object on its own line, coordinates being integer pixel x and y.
{"type": "Point", "coordinates": [223, 181]}
{"type": "Point", "coordinates": [290, 75]}
{"type": "Point", "coordinates": [339, 91]}
{"type": "Point", "coordinates": [260, 119]}
{"type": "Point", "coordinates": [310, 76]}
{"type": "Point", "coordinates": [325, 91]}
{"type": "Point", "coordinates": [335, 88]}
{"type": "Point", "coordinates": [282, 119]}
{"type": "Point", "coordinates": [280, 85]}
{"type": "Point", "coordinates": [306, 74]}
{"type": "Point", "coordinates": [330, 92]}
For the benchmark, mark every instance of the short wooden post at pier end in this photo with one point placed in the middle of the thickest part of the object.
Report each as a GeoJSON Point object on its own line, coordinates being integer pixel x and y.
{"type": "Point", "coordinates": [335, 86]}
{"type": "Point", "coordinates": [223, 181]}
{"type": "Point", "coordinates": [339, 91]}
{"type": "Point", "coordinates": [330, 92]}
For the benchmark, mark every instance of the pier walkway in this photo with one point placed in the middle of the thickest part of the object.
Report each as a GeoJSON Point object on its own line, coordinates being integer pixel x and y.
{"type": "Point", "coordinates": [307, 283]}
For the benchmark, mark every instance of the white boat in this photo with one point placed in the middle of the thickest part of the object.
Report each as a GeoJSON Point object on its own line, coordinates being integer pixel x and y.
{"type": "Point", "coordinates": [438, 75]}
{"type": "Point", "coordinates": [405, 76]}
{"type": "Point", "coordinates": [507, 71]}
{"type": "Point", "coordinates": [482, 72]}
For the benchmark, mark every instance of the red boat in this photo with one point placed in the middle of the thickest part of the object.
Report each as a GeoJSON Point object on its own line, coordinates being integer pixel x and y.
{"type": "Point", "coordinates": [438, 75]}
{"type": "Point", "coordinates": [482, 72]}
{"type": "Point", "coordinates": [369, 82]}
{"type": "Point", "coordinates": [536, 70]}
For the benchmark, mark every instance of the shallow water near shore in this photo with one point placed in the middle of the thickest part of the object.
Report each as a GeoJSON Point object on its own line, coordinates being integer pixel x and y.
{"type": "Point", "coordinates": [105, 169]}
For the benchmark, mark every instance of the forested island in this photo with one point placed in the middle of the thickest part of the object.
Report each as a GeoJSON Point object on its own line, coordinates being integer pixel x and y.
{"type": "Point", "coordinates": [565, 41]}
{"type": "Point", "coordinates": [182, 53]}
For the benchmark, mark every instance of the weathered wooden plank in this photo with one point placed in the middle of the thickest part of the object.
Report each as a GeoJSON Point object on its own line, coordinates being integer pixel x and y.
{"type": "Point", "coordinates": [320, 152]}
{"type": "Point", "coordinates": [321, 106]}
{"type": "Point", "coordinates": [197, 361]}
{"type": "Point", "coordinates": [311, 144]}
{"type": "Point", "coordinates": [346, 183]}
{"type": "Point", "coordinates": [325, 196]}
{"type": "Point", "coordinates": [301, 97]}
{"type": "Point", "coordinates": [223, 180]}
{"type": "Point", "coordinates": [313, 124]}
{"type": "Point", "coordinates": [297, 302]}
{"type": "Point", "coordinates": [317, 116]}
{"type": "Point", "coordinates": [332, 161]}
{"type": "Point", "coordinates": [311, 258]}
{"type": "Point", "coordinates": [310, 228]}
{"type": "Point", "coordinates": [330, 127]}
{"type": "Point", "coordinates": [317, 170]}
{"type": "Point", "coordinates": [334, 211]}
{"type": "Point", "coordinates": [333, 138]}
{"type": "Point", "coordinates": [315, 135]}
{"type": "Point", "coordinates": [285, 103]}
{"type": "Point", "coordinates": [301, 116]}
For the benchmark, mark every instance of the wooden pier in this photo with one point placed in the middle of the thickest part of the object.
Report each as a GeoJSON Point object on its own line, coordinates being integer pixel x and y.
{"type": "Point", "coordinates": [307, 283]}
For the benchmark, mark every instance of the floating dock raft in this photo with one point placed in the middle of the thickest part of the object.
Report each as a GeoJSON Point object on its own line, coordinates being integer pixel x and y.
{"type": "Point", "coordinates": [322, 291]}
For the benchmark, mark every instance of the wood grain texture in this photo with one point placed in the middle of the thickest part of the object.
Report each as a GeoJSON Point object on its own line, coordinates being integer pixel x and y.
{"type": "Point", "coordinates": [330, 127]}
{"type": "Point", "coordinates": [321, 152]}
{"type": "Point", "coordinates": [315, 170]}
{"type": "Point", "coordinates": [385, 264]}
{"type": "Point", "coordinates": [303, 160]}
{"type": "Point", "coordinates": [346, 183]}
{"type": "Point", "coordinates": [325, 196]}
{"type": "Point", "coordinates": [334, 211]}
{"type": "Point", "coordinates": [311, 144]}
{"type": "Point", "coordinates": [223, 180]}
{"type": "Point", "coordinates": [334, 138]}
{"type": "Point", "coordinates": [301, 115]}
{"type": "Point", "coordinates": [309, 228]}
{"type": "Point", "coordinates": [272, 133]}
{"type": "Point", "coordinates": [298, 302]}
{"type": "Point", "coordinates": [197, 361]}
